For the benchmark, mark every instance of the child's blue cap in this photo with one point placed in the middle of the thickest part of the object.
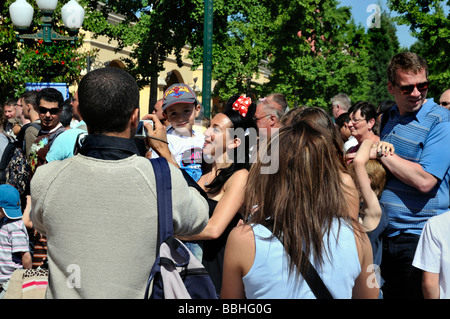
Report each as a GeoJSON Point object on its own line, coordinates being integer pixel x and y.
{"type": "Point", "coordinates": [178, 93]}
{"type": "Point", "coordinates": [10, 201]}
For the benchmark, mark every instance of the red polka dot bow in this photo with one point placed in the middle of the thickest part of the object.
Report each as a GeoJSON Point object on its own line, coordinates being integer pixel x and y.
{"type": "Point", "coordinates": [242, 104]}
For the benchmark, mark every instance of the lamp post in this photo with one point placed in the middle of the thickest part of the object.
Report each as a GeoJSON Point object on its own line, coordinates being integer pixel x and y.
{"type": "Point", "coordinates": [207, 57]}
{"type": "Point", "coordinates": [21, 13]}
{"type": "Point", "coordinates": [72, 14]}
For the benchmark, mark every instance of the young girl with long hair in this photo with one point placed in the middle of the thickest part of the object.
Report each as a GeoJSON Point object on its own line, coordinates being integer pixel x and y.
{"type": "Point", "coordinates": [295, 214]}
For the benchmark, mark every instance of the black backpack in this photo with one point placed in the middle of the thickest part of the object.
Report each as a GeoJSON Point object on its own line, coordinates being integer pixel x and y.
{"type": "Point", "coordinates": [6, 158]}
{"type": "Point", "coordinates": [188, 277]}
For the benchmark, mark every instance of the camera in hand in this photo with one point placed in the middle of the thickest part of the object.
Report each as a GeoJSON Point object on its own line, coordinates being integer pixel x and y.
{"type": "Point", "coordinates": [141, 130]}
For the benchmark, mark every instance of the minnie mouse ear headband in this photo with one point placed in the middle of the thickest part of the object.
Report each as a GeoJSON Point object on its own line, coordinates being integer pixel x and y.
{"type": "Point", "coordinates": [178, 93]}
{"type": "Point", "coordinates": [241, 105]}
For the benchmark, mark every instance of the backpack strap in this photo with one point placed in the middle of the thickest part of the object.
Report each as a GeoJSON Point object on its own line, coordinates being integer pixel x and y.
{"type": "Point", "coordinates": [164, 196]}
{"type": "Point", "coordinates": [313, 279]}
{"type": "Point", "coordinates": [8, 153]}
{"type": "Point", "coordinates": [165, 220]}
{"type": "Point", "coordinates": [314, 282]}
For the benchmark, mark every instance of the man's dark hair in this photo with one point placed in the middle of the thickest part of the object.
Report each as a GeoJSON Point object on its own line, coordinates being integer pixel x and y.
{"type": "Point", "coordinates": [66, 114]}
{"type": "Point", "coordinates": [107, 97]}
{"type": "Point", "coordinates": [50, 95]}
{"type": "Point", "coordinates": [30, 97]}
{"type": "Point", "coordinates": [407, 62]}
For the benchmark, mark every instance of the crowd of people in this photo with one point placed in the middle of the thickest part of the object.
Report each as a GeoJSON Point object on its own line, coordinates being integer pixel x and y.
{"type": "Point", "coordinates": [359, 195]}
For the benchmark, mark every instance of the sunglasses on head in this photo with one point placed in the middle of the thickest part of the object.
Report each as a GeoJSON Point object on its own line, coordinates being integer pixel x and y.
{"type": "Point", "coordinates": [408, 89]}
{"type": "Point", "coordinates": [44, 110]}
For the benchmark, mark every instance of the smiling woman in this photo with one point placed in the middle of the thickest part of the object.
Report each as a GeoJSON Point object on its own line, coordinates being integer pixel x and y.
{"type": "Point", "coordinates": [363, 116]}
{"type": "Point", "coordinates": [227, 161]}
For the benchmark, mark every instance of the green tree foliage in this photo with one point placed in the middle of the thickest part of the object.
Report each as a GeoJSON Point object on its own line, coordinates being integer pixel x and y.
{"type": "Point", "coordinates": [239, 45]}
{"type": "Point", "coordinates": [153, 30]}
{"type": "Point", "coordinates": [317, 52]}
{"type": "Point", "coordinates": [429, 24]}
{"type": "Point", "coordinates": [313, 49]}
{"type": "Point", "coordinates": [32, 60]}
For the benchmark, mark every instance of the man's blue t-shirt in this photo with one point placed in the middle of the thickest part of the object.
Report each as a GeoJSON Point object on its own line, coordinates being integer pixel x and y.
{"type": "Point", "coordinates": [422, 137]}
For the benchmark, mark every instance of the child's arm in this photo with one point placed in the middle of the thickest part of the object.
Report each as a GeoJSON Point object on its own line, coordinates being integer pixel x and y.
{"type": "Point", "coordinates": [26, 260]}
{"type": "Point", "coordinates": [430, 285]}
{"type": "Point", "coordinates": [26, 214]}
{"type": "Point", "coordinates": [373, 208]}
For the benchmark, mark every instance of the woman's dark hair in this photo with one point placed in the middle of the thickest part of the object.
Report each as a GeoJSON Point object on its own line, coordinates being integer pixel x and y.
{"type": "Point", "coordinates": [367, 109]}
{"type": "Point", "coordinates": [244, 128]}
{"type": "Point", "coordinates": [309, 192]}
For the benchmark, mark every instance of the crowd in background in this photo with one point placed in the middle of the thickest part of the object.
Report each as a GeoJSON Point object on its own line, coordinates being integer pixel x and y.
{"type": "Point", "coordinates": [359, 194]}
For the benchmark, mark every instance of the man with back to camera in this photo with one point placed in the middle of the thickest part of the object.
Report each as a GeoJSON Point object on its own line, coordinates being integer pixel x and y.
{"type": "Point", "coordinates": [340, 103]}
{"type": "Point", "coordinates": [418, 185]}
{"type": "Point", "coordinates": [104, 220]}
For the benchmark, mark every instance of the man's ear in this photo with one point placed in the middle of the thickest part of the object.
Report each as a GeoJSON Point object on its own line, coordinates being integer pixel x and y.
{"type": "Point", "coordinates": [390, 87]}
{"type": "Point", "coordinates": [134, 118]}
{"type": "Point", "coordinates": [272, 120]}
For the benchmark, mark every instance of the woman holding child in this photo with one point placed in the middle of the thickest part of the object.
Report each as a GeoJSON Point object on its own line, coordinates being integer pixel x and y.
{"type": "Point", "coordinates": [226, 155]}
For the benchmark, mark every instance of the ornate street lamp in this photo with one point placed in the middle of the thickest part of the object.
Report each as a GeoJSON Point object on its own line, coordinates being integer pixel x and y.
{"type": "Point", "coordinates": [21, 13]}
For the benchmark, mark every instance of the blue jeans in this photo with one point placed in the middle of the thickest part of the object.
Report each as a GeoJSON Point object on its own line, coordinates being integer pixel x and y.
{"type": "Point", "coordinates": [402, 279]}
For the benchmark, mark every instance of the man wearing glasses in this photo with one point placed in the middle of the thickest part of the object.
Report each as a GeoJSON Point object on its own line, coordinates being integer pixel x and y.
{"type": "Point", "coordinates": [418, 185]}
{"type": "Point", "coordinates": [50, 103]}
{"type": "Point", "coordinates": [268, 116]}
{"type": "Point", "coordinates": [444, 100]}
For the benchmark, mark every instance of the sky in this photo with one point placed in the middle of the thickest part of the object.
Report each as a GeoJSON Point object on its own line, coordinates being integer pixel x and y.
{"type": "Point", "coordinates": [360, 14]}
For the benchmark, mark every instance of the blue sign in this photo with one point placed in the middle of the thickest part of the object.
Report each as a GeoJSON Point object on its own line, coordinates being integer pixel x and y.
{"type": "Point", "coordinates": [61, 87]}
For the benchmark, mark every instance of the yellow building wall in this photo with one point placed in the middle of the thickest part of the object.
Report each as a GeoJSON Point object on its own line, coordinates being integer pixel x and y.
{"type": "Point", "coordinates": [106, 55]}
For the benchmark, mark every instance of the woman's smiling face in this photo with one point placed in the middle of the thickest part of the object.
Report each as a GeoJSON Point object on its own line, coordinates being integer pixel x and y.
{"type": "Point", "coordinates": [216, 136]}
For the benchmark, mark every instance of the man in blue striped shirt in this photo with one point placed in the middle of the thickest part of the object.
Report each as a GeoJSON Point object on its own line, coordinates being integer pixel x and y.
{"type": "Point", "coordinates": [418, 186]}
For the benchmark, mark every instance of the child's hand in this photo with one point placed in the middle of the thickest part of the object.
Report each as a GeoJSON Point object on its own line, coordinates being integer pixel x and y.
{"type": "Point", "coordinates": [363, 154]}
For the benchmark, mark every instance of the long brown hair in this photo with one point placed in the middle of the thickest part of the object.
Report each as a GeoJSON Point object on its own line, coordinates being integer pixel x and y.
{"type": "Point", "coordinates": [299, 201]}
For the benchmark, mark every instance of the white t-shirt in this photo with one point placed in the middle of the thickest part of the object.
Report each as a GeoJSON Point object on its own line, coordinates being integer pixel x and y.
{"type": "Point", "coordinates": [433, 251]}
{"type": "Point", "coordinates": [187, 151]}
{"type": "Point", "coordinates": [352, 141]}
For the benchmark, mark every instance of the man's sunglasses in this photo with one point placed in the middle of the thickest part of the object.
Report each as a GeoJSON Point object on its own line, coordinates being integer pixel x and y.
{"type": "Point", "coordinates": [408, 89]}
{"type": "Point", "coordinates": [44, 110]}
{"type": "Point", "coordinates": [445, 103]}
